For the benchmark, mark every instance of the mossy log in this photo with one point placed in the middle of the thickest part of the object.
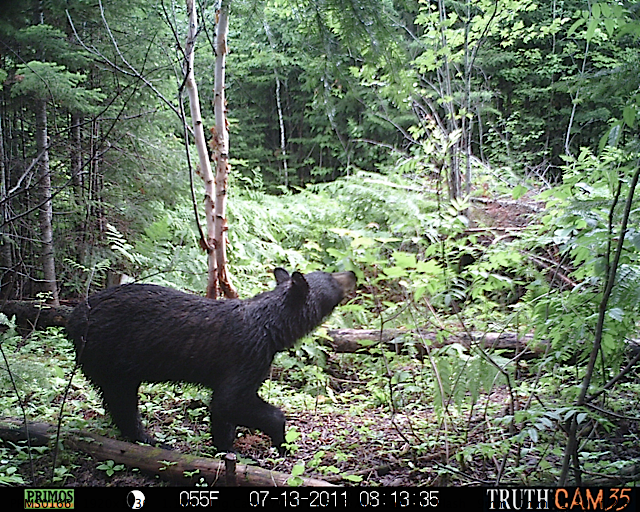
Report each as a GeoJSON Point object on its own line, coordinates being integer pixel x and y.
{"type": "Point", "coordinates": [177, 468]}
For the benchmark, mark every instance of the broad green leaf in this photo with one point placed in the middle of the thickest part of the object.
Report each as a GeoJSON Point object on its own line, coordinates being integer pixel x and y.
{"type": "Point", "coordinates": [593, 24]}
{"type": "Point", "coordinates": [614, 134]}
{"type": "Point", "coordinates": [610, 25]}
{"type": "Point", "coordinates": [298, 469]}
{"type": "Point", "coordinates": [292, 435]}
{"type": "Point", "coordinates": [629, 115]}
{"type": "Point", "coordinates": [575, 26]}
{"type": "Point", "coordinates": [395, 272]}
{"type": "Point", "coordinates": [405, 259]}
{"type": "Point", "coordinates": [518, 192]}
{"type": "Point", "coordinates": [428, 267]}
{"type": "Point", "coordinates": [361, 242]}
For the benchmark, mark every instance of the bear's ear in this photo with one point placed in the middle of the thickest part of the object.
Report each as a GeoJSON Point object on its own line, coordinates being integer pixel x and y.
{"type": "Point", "coordinates": [281, 275]}
{"type": "Point", "coordinates": [299, 285]}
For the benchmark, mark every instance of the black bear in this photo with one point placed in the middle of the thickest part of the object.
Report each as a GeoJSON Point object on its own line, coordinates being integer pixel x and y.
{"type": "Point", "coordinates": [141, 332]}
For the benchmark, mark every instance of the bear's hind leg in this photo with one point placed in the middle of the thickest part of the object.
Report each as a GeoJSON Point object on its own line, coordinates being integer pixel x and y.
{"type": "Point", "coordinates": [223, 426]}
{"type": "Point", "coordinates": [121, 401]}
{"type": "Point", "coordinates": [248, 410]}
{"type": "Point", "coordinates": [256, 413]}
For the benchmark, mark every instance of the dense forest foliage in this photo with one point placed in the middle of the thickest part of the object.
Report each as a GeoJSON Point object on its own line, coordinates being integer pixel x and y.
{"type": "Point", "coordinates": [473, 162]}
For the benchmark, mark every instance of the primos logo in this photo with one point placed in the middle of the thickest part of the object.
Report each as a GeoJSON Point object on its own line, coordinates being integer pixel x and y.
{"type": "Point", "coordinates": [49, 498]}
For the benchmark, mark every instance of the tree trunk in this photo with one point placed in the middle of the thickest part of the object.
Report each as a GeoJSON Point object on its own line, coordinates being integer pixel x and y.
{"type": "Point", "coordinates": [76, 155]}
{"type": "Point", "coordinates": [467, 124]}
{"type": "Point", "coordinates": [46, 207]}
{"type": "Point", "coordinates": [94, 186]}
{"type": "Point", "coordinates": [221, 151]}
{"type": "Point", "coordinates": [283, 138]}
{"type": "Point", "coordinates": [201, 146]}
{"type": "Point", "coordinates": [75, 144]}
{"type": "Point", "coordinates": [446, 76]}
{"type": "Point", "coordinates": [6, 255]}
{"type": "Point", "coordinates": [214, 189]}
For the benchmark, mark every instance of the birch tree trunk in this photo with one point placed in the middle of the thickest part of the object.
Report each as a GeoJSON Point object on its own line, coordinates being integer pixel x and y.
{"type": "Point", "coordinates": [214, 189]}
{"type": "Point", "coordinates": [220, 146]}
{"type": "Point", "coordinates": [201, 145]}
{"type": "Point", "coordinates": [283, 138]}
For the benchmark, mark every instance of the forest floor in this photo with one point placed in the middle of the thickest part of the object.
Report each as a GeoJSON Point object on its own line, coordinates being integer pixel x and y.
{"type": "Point", "coordinates": [344, 438]}
{"type": "Point", "coordinates": [335, 442]}
{"type": "Point", "coordinates": [372, 444]}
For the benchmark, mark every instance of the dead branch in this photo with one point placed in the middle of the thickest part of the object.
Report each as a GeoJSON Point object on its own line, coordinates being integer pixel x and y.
{"type": "Point", "coordinates": [354, 340]}
{"type": "Point", "coordinates": [35, 314]}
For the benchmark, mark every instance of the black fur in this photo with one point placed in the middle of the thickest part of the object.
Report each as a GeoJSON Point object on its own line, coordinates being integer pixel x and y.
{"type": "Point", "coordinates": [140, 332]}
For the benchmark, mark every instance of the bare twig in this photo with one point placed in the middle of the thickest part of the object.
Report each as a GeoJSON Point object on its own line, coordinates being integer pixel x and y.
{"type": "Point", "coordinates": [131, 71]}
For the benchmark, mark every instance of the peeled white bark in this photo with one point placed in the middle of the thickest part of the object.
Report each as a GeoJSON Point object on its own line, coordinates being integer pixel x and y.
{"type": "Point", "coordinates": [220, 146]}
{"type": "Point", "coordinates": [214, 205]}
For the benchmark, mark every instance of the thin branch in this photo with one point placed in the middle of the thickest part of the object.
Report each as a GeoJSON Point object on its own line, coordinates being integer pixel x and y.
{"type": "Point", "coordinates": [615, 379]}
{"type": "Point", "coordinates": [133, 71]}
{"type": "Point", "coordinates": [567, 140]}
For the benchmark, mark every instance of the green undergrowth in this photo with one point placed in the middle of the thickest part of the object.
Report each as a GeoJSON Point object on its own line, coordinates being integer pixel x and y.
{"type": "Point", "coordinates": [443, 410]}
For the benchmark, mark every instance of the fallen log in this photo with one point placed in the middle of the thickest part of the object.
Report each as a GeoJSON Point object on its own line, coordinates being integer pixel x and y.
{"type": "Point", "coordinates": [36, 314]}
{"type": "Point", "coordinates": [354, 340]}
{"type": "Point", "coordinates": [178, 468]}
